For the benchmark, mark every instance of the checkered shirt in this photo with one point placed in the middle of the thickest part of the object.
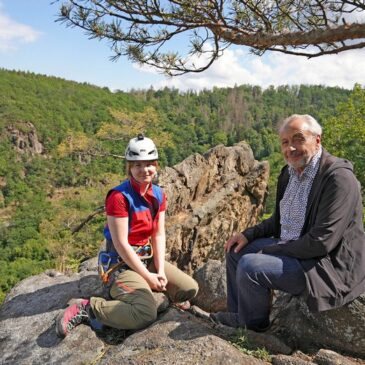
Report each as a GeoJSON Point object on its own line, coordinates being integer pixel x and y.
{"type": "Point", "coordinates": [294, 203]}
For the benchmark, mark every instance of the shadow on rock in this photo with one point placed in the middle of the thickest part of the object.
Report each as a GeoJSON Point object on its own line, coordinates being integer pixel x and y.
{"type": "Point", "coordinates": [42, 293]}
{"type": "Point", "coordinates": [48, 338]}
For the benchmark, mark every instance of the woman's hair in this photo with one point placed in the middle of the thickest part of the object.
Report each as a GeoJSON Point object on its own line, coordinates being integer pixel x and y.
{"type": "Point", "coordinates": [313, 126]}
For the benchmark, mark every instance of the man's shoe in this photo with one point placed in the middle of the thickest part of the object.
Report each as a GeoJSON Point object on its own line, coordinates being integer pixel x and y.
{"type": "Point", "coordinates": [72, 316]}
{"type": "Point", "coordinates": [229, 319]}
{"type": "Point", "coordinates": [260, 327]}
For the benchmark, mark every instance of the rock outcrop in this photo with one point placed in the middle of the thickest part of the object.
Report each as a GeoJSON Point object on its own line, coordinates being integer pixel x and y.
{"type": "Point", "coordinates": [212, 295]}
{"type": "Point", "coordinates": [209, 197]}
{"type": "Point", "coordinates": [342, 329]}
{"type": "Point", "coordinates": [25, 139]}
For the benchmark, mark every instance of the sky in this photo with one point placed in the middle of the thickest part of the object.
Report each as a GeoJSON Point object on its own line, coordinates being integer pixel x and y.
{"type": "Point", "coordinates": [32, 40]}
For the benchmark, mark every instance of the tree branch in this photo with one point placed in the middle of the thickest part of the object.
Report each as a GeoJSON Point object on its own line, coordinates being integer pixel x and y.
{"type": "Point", "coordinates": [313, 37]}
{"type": "Point", "coordinates": [321, 53]}
{"type": "Point", "coordinates": [142, 29]}
{"type": "Point", "coordinates": [88, 219]}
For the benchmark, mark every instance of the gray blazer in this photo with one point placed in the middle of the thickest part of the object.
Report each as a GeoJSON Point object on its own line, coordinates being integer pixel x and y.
{"type": "Point", "coordinates": [331, 248]}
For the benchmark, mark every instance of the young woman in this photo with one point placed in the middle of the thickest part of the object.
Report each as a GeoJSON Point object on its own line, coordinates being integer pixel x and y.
{"type": "Point", "coordinates": [135, 218]}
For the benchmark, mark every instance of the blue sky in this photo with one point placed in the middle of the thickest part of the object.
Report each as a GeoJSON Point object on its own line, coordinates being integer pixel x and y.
{"type": "Point", "coordinates": [31, 40]}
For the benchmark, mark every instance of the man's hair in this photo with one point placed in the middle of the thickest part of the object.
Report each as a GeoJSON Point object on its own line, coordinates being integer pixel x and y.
{"type": "Point", "coordinates": [313, 126]}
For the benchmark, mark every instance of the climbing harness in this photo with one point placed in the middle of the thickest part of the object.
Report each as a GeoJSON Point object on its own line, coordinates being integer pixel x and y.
{"type": "Point", "coordinates": [109, 262]}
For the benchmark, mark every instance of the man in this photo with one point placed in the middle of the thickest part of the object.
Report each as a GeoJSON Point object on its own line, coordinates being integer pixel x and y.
{"type": "Point", "coordinates": [313, 245]}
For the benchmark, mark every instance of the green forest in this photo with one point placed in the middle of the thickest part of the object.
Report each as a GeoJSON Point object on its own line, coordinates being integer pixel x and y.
{"type": "Point", "coordinates": [62, 142]}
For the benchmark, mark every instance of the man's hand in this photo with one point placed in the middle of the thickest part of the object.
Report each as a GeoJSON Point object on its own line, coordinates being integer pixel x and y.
{"type": "Point", "coordinates": [238, 239]}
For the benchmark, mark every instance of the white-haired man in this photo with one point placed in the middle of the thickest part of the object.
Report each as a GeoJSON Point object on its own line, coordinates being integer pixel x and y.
{"type": "Point", "coordinates": [314, 243]}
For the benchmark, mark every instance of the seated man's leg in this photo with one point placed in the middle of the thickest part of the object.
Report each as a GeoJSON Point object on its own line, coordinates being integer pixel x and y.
{"type": "Point", "coordinates": [256, 275]}
{"type": "Point", "coordinates": [232, 260]}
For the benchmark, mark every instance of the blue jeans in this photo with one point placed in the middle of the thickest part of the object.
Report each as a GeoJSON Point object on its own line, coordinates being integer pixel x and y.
{"type": "Point", "coordinates": [252, 275]}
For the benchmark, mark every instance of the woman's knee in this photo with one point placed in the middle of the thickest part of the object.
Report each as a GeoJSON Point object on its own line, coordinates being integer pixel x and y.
{"type": "Point", "coordinates": [180, 286]}
{"type": "Point", "coordinates": [193, 291]}
{"type": "Point", "coordinates": [186, 292]}
{"type": "Point", "coordinates": [194, 288]}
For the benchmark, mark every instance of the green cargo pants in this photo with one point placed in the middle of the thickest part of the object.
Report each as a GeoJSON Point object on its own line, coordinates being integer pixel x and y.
{"type": "Point", "coordinates": [133, 305]}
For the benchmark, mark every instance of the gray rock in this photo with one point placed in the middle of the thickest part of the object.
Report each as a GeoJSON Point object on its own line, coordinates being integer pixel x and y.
{"type": "Point", "coordinates": [268, 341]}
{"type": "Point", "coordinates": [257, 340]}
{"type": "Point", "coordinates": [289, 360]}
{"type": "Point", "coordinates": [24, 138]}
{"type": "Point", "coordinates": [89, 265]}
{"type": "Point", "coordinates": [212, 295]}
{"type": "Point", "coordinates": [176, 338]}
{"type": "Point", "coordinates": [342, 329]}
{"type": "Point", "coordinates": [27, 332]}
{"type": "Point", "coordinates": [328, 357]}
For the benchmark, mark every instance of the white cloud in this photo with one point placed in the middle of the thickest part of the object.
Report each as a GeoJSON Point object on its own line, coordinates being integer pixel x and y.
{"type": "Point", "coordinates": [344, 69]}
{"type": "Point", "coordinates": [13, 34]}
{"type": "Point", "coordinates": [237, 66]}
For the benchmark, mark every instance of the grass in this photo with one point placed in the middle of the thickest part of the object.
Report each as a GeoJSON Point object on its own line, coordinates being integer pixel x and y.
{"type": "Point", "coordinates": [241, 342]}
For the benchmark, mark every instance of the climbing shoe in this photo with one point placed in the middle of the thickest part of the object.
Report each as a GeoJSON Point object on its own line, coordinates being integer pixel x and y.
{"type": "Point", "coordinates": [72, 316]}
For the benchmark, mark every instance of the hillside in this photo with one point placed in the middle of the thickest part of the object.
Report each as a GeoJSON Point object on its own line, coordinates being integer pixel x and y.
{"type": "Point", "coordinates": [60, 143]}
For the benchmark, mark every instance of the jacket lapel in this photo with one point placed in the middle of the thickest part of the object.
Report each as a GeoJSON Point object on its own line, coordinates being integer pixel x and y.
{"type": "Point", "coordinates": [326, 161]}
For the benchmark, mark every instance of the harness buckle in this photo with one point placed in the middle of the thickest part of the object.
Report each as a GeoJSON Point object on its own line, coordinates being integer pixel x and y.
{"type": "Point", "coordinates": [108, 262]}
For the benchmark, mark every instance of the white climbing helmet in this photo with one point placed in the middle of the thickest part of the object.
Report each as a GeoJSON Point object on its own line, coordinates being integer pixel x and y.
{"type": "Point", "coordinates": [141, 148]}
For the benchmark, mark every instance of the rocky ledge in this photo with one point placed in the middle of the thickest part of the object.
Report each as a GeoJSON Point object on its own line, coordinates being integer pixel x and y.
{"type": "Point", "coordinates": [209, 197]}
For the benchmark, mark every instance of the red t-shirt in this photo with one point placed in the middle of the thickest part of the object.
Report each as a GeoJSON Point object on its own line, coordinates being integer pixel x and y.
{"type": "Point", "coordinates": [117, 205]}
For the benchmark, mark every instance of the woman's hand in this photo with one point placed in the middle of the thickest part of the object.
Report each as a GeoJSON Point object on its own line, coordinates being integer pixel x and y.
{"type": "Point", "coordinates": [162, 277]}
{"type": "Point", "coordinates": [238, 239]}
{"type": "Point", "coordinates": [156, 282]}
